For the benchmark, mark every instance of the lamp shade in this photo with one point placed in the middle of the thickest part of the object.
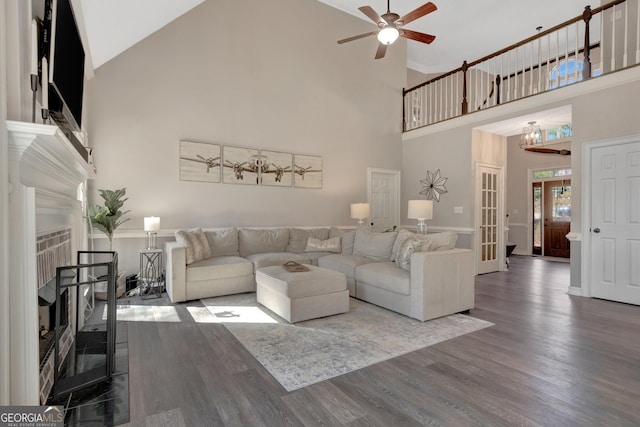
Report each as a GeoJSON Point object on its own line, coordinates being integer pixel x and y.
{"type": "Point", "coordinates": [151, 223]}
{"type": "Point", "coordinates": [420, 209]}
{"type": "Point", "coordinates": [359, 210]}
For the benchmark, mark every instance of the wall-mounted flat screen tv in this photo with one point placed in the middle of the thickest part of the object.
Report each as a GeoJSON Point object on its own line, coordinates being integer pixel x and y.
{"type": "Point", "coordinates": [66, 65]}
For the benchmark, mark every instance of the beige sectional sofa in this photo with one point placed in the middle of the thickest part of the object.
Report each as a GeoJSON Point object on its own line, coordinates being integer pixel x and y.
{"type": "Point", "coordinates": [422, 277]}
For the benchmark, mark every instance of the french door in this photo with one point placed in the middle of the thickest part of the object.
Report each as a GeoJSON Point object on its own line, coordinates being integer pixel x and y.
{"type": "Point", "coordinates": [490, 211]}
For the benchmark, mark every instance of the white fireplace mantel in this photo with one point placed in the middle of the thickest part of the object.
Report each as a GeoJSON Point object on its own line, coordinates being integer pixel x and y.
{"type": "Point", "coordinates": [47, 159]}
{"type": "Point", "coordinates": [45, 171]}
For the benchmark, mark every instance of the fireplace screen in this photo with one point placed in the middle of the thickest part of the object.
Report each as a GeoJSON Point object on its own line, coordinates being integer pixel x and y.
{"type": "Point", "coordinates": [91, 355]}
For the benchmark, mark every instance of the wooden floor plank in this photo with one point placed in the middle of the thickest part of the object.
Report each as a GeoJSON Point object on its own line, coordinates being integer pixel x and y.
{"type": "Point", "coordinates": [550, 359]}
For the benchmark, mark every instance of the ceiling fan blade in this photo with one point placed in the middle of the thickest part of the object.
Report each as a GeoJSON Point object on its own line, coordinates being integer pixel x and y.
{"type": "Point", "coordinates": [419, 37]}
{"type": "Point", "coordinates": [372, 14]}
{"type": "Point", "coordinates": [382, 49]}
{"type": "Point", "coordinates": [548, 151]}
{"type": "Point", "coordinates": [359, 36]}
{"type": "Point", "coordinates": [418, 13]}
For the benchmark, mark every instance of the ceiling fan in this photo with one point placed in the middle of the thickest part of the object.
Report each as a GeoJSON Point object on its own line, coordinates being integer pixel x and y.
{"type": "Point", "coordinates": [548, 151]}
{"type": "Point", "coordinates": [390, 27]}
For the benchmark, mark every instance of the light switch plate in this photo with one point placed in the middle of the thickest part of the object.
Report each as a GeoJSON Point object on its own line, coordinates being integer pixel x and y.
{"type": "Point", "coordinates": [458, 209]}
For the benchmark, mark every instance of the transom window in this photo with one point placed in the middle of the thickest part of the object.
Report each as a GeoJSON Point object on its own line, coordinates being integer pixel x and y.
{"type": "Point", "coordinates": [551, 173]}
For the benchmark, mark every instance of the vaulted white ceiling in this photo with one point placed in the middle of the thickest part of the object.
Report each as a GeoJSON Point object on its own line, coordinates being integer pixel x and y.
{"type": "Point", "coordinates": [113, 26]}
{"type": "Point", "coordinates": [464, 29]}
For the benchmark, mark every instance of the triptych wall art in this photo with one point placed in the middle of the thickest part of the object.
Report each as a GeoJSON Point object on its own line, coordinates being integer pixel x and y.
{"type": "Point", "coordinates": [201, 161]}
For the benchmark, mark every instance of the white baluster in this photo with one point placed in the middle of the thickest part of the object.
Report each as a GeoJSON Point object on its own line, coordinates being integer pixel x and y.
{"type": "Point", "coordinates": [576, 53]}
{"type": "Point", "coordinates": [446, 100]}
{"type": "Point", "coordinates": [626, 35]}
{"type": "Point", "coordinates": [558, 58]}
{"type": "Point", "coordinates": [638, 35]}
{"type": "Point", "coordinates": [613, 38]}
{"type": "Point", "coordinates": [566, 55]}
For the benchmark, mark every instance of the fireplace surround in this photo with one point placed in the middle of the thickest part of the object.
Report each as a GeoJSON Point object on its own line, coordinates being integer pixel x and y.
{"type": "Point", "coordinates": [46, 176]}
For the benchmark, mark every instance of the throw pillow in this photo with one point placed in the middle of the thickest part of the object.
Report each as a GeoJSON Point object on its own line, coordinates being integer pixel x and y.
{"type": "Point", "coordinates": [402, 236]}
{"type": "Point", "coordinates": [196, 244]}
{"type": "Point", "coordinates": [410, 245]}
{"type": "Point", "coordinates": [298, 238]}
{"type": "Point", "coordinates": [329, 245]}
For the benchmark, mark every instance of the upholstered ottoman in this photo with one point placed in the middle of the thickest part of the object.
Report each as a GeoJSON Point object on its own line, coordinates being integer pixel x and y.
{"type": "Point", "coordinates": [302, 295]}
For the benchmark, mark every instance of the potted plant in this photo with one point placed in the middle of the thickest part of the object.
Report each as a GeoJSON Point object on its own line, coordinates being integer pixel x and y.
{"type": "Point", "coordinates": [109, 217]}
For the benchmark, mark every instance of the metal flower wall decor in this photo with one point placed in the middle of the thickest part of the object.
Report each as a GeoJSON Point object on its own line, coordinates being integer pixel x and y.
{"type": "Point", "coordinates": [433, 186]}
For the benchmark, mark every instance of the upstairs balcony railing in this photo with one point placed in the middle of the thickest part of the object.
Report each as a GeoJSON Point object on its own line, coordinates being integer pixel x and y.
{"type": "Point", "coordinates": [597, 42]}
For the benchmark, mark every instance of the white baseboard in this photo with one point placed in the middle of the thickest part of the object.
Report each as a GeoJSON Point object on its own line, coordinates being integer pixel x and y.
{"type": "Point", "coordinates": [574, 290]}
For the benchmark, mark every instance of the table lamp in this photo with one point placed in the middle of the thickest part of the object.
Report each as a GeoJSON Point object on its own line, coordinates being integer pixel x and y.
{"type": "Point", "coordinates": [151, 226]}
{"type": "Point", "coordinates": [360, 211]}
{"type": "Point", "coordinates": [421, 210]}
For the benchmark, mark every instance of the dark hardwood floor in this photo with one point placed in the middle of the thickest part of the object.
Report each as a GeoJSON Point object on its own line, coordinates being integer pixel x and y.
{"type": "Point", "coordinates": [551, 359]}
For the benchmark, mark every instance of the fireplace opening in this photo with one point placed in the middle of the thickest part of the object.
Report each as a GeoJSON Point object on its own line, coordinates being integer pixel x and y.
{"type": "Point", "coordinates": [47, 317]}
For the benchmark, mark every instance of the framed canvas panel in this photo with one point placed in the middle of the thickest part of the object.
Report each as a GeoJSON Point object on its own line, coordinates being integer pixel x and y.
{"type": "Point", "coordinates": [199, 161]}
{"type": "Point", "coordinates": [240, 165]}
{"type": "Point", "coordinates": [277, 168]}
{"type": "Point", "coordinates": [307, 171]}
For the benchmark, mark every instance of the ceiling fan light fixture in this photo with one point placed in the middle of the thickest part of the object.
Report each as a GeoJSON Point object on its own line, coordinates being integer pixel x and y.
{"type": "Point", "coordinates": [388, 35]}
{"type": "Point", "coordinates": [531, 135]}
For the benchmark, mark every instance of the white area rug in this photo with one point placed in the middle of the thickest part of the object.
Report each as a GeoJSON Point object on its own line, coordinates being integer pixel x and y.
{"type": "Point", "coordinates": [304, 353]}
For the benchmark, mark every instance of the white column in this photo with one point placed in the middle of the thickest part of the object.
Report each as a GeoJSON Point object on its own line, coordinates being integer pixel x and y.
{"type": "Point", "coordinates": [23, 288]}
{"type": "Point", "coordinates": [5, 303]}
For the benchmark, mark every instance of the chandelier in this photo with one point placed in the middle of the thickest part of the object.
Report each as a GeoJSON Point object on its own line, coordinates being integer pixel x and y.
{"type": "Point", "coordinates": [531, 135]}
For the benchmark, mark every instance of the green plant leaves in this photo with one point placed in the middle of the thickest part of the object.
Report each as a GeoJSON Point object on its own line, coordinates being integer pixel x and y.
{"type": "Point", "coordinates": [109, 217]}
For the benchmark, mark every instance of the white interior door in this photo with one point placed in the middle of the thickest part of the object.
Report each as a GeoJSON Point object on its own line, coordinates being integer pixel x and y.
{"type": "Point", "coordinates": [615, 222]}
{"type": "Point", "coordinates": [489, 214]}
{"type": "Point", "coordinates": [384, 197]}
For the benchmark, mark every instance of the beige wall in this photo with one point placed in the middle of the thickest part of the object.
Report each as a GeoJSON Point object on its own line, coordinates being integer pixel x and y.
{"type": "Point", "coordinates": [450, 152]}
{"type": "Point", "coordinates": [236, 73]}
{"type": "Point", "coordinates": [602, 108]}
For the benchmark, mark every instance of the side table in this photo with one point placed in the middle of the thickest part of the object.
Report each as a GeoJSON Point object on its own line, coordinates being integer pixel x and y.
{"type": "Point", "coordinates": [150, 280]}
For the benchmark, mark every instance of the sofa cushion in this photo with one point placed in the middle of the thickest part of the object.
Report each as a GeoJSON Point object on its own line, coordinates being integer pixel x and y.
{"type": "Point", "coordinates": [345, 264]}
{"type": "Point", "coordinates": [223, 242]}
{"type": "Point", "coordinates": [438, 241]}
{"type": "Point", "coordinates": [346, 239]}
{"type": "Point", "coordinates": [277, 258]}
{"type": "Point", "coordinates": [196, 244]}
{"type": "Point", "coordinates": [298, 238]}
{"type": "Point", "coordinates": [385, 275]}
{"type": "Point", "coordinates": [374, 245]}
{"type": "Point", "coordinates": [258, 241]}
{"type": "Point", "coordinates": [329, 245]}
{"type": "Point", "coordinates": [219, 268]}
